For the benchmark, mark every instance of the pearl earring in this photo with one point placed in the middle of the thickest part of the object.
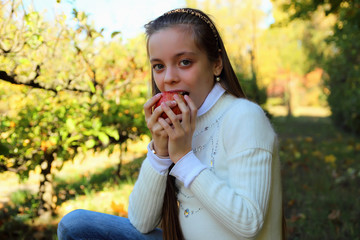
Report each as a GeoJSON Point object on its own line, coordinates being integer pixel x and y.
{"type": "Point", "coordinates": [218, 79]}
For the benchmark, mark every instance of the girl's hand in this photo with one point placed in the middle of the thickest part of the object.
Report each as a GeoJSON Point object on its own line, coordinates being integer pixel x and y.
{"type": "Point", "coordinates": [159, 135]}
{"type": "Point", "coordinates": [179, 130]}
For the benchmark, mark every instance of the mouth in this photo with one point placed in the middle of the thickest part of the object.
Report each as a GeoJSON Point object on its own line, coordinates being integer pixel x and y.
{"type": "Point", "coordinates": [180, 92]}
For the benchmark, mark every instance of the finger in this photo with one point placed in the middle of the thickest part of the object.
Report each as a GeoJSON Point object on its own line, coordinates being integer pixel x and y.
{"type": "Point", "coordinates": [152, 122]}
{"type": "Point", "coordinates": [159, 110]}
{"type": "Point", "coordinates": [148, 106]}
{"type": "Point", "coordinates": [193, 110]}
{"type": "Point", "coordinates": [157, 128]}
{"type": "Point", "coordinates": [174, 120]}
{"type": "Point", "coordinates": [178, 116]}
{"type": "Point", "coordinates": [183, 108]}
{"type": "Point", "coordinates": [168, 129]}
{"type": "Point", "coordinates": [169, 112]}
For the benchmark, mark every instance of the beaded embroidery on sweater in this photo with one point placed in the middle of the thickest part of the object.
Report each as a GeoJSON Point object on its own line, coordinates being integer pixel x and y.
{"type": "Point", "coordinates": [211, 146]}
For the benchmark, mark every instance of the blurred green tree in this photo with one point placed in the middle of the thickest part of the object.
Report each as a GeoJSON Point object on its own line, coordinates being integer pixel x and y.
{"type": "Point", "coordinates": [64, 90]}
{"type": "Point", "coordinates": [339, 58]}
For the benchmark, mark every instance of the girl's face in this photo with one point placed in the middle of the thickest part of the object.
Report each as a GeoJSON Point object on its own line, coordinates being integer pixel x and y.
{"type": "Point", "coordinates": [178, 64]}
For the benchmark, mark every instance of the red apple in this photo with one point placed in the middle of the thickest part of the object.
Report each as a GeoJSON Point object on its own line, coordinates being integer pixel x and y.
{"type": "Point", "coordinates": [169, 96]}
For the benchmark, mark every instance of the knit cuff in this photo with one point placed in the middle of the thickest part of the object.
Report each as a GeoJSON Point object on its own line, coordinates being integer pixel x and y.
{"type": "Point", "coordinates": [161, 165]}
{"type": "Point", "coordinates": [187, 168]}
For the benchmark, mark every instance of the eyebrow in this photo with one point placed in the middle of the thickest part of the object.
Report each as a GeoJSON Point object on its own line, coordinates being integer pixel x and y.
{"type": "Point", "coordinates": [176, 56]}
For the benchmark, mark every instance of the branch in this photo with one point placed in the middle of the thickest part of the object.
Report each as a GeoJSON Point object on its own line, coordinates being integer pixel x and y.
{"type": "Point", "coordinates": [4, 168]}
{"type": "Point", "coordinates": [91, 71]}
{"type": "Point", "coordinates": [31, 83]}
{"type": "Point", "coordinates": [2, 48]}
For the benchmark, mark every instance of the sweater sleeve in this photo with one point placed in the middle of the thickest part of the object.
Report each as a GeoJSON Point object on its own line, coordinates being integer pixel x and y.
{"type": "Point", "coordinates": [240, 204]}
{"type": "Point", "coordinates": [146, 199]}
{"type": "Point", "coordinates": [160, 164]}
{"type": "Point", "coordinates": [240, 200]}
{"type": "Point", "coordinates": [187, 168]}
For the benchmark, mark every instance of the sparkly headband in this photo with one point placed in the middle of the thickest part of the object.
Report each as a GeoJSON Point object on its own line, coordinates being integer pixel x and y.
{"type": "Point", "coordinates": [197, 14]}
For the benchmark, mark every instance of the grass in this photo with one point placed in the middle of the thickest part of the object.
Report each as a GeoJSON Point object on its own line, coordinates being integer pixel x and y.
{"type": "Point", "coordinates": [82, 183]}
{"type": "Point", "coordinates": [321, 179]}
{"type": "Point", "coordinates": [81, 189]}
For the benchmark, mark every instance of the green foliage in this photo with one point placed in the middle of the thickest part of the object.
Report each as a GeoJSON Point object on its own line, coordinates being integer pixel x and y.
{"type": "Point", "coordinates": [91, 92]}
{"type": "Point", "coordinates": [343, 68]}
{"type": "Point", "coordinates": [345, 102]}
{"type": "Point", "coordinates": [63, 125]}
{"type": "Point", "coordinates": [340, 59]}
{"type": "Point", "coordinates": [252, 90]}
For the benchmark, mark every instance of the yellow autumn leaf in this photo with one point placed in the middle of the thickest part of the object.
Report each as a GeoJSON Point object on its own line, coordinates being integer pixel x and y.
{"type": "Point", "coordinates": [119, 208]}
{"type": "Point", "coordinates": [317, 153]}
{"type": "Point", "coordinates": [330, 158]}
{"type": "Point", "coordinates": [350, 148]}
{"type": "Point", "coordinates": [357, 146]}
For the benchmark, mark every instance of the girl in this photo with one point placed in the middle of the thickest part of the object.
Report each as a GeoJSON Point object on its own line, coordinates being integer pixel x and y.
{"type": "Point", "coordinates": [211, 172]}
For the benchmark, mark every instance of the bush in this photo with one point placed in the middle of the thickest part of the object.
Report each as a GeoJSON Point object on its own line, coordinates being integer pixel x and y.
{"type": "Point", "coordinates": [344, 102]}
{"type": "Point", "coordinates": [252, 90]}
{"type": "Point", "coordinates": [343, 69]}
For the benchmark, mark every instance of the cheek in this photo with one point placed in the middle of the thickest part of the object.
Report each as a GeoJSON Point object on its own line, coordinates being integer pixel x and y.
{"type": "Point", "coordinates": [192, 78]}
{"type": "Point", "coordinates": [158, 81]}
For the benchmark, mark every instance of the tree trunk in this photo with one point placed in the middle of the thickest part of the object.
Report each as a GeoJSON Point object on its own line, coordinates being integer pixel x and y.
{"type": "Point", "coordinates": [46, 188]}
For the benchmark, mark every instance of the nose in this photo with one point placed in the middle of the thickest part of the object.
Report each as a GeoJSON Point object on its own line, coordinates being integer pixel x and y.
{"type": "Point", "coordinates": [171, 76]}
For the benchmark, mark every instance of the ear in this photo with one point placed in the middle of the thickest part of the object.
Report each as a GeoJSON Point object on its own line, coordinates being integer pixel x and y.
{"type": "Point", "coordinates": [218, 66]}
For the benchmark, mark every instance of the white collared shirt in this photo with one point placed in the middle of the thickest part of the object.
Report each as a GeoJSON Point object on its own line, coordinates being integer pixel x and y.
{"type": "Point", "coordinates": [211, 99]}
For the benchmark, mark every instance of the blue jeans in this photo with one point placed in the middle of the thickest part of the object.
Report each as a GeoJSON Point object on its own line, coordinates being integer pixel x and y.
{"type": "Point", "coordinates": [84, 224]}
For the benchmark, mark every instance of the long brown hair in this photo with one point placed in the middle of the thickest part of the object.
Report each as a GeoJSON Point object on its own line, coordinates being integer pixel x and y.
{"type": "Point", "coordinates": [208, 39]}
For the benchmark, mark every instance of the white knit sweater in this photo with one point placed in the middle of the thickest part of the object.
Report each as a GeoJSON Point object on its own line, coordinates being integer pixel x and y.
{"type": "Point", "coordinates": [238, 194]}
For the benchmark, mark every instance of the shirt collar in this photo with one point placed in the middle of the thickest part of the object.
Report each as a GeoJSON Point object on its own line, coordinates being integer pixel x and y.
{"type": "Point", "coordinates": [211, 99]}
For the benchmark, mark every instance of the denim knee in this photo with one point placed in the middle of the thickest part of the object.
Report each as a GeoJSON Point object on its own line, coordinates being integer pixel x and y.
{"type": "Point", "coordinates": [69, 224]}
{"type": "Point", "coordinates": [85, 224]}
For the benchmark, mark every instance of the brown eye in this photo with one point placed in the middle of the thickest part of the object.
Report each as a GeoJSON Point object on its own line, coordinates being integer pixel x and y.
{"type": "Point", "coordinates": [185, 62]}
{"type": "Point", "coordinates": [158, 67]}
